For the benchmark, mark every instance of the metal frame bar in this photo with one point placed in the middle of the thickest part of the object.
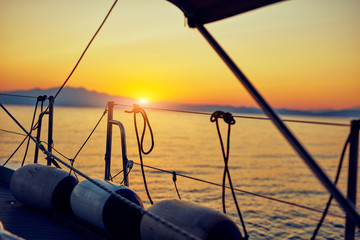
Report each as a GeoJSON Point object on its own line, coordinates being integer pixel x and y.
{"type": "Point", "coordinates": [50, 112]}
{"type": "Point", "coordinates": [50, 127]}
{"type": "Point", "coordinates": [352, 176]}
{"type": "Point", "coordinates": [111, 122]}
{"type": "Point", "coordinates": [36, 154]}
{"type": "Point", "coordinates": [123, 151]}
{"type": "Point", "coordinates": [324, 179]}
{"type": "Point", "coordinates": [110, 106]}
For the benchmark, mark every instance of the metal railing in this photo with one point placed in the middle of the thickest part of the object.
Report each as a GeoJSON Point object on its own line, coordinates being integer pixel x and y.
{"type": "Point", "coordinates": [49, 112]}
{"type": "Point", "coordinates": [110, 123]}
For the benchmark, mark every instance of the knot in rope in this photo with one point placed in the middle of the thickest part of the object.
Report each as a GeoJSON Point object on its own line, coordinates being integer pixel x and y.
{"type": "Point", "coordinates": [41, 98]}
{"type": "Point", "coordinates": [174, 180]}
{"type": "Point", "coordinates": [228, 117]}
{"type": "Point", "coordinates": [174, 176]}
{"type": "Point", "coordinates": [130, 164]}
{"type": "Point", "coordinates": [137, 109]}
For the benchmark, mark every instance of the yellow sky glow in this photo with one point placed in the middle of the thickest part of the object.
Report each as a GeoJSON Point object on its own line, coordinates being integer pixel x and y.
{"type": "Point", "coordinates": [300, 54]}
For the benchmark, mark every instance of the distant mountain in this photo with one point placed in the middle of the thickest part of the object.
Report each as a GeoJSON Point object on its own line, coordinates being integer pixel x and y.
{"type": "Point", "coordinates": [80, 97]}
{"type": "Point", "coordinates": [75, 97]}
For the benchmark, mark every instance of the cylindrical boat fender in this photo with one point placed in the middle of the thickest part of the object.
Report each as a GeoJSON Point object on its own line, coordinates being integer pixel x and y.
{"type": "Point", "coordinates": [43, 187]}
{"type": "Point", "coordinates": [97, 207]}
{"type": "Point", "coordinates": [201, 222]}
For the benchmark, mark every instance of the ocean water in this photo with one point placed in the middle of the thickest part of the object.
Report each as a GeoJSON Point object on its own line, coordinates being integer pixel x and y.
{"type": "Point", "coordinates": [260, 161]}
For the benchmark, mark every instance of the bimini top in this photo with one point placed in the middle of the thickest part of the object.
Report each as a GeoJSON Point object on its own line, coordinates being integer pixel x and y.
{"type": "Point", "coordinates": [206, 11]}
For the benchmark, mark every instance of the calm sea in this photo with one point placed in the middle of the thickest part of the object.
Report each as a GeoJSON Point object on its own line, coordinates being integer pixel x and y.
{"type": "Point", "coordinates": [260, 161]}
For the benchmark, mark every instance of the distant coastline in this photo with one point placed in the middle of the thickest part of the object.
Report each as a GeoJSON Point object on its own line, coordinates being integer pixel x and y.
{"type": "Point", "coordinates": [80, 97]}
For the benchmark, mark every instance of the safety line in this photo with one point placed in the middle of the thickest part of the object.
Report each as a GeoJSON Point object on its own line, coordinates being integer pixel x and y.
{"type": "Point", "coordinates": [16, 95]}
{"type": "Point", "coordinates": [243, 191]}
{"type": "Point", "coordinates": [12, 132]}
{"type": "Point", "coordinates": [242, 116]}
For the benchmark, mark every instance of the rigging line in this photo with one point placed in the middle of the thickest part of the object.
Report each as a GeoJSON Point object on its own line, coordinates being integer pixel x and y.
{"type": "Point", "coordinates": [15, 150]}
{"type": "Point", "coordinates": [87, 139]}
{"type": "Point", "coordinates": [245, 117]}
{"type": "Point", "coordinates": [126, 175]}
{"type": "Point", "coordinates": [16, 95]}
{"type": "Point", "coordinates": [31, 129]}
{"type": "Point", "coordinates": [22, 142]}
{"type": "Point", "coordinates": [7, 131]}
{"type": "Point", "coordinates": [167, 224]}
{"type": "Point", "coordinates": [331, 196]}
{"type": "Point", "coordinates": [83, 53]}
{"type": "Point", "coordinates": [228, 118]}
{"type": "Point", "coordinates": [243, 191]}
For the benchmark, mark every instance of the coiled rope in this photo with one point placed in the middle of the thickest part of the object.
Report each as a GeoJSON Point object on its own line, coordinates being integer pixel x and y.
{"type": "Point", "coordinates": [116, 195]}
{"type": "Point", "coordinates": [138, 109]}
{"type": "Point", "coordinates": [228, 118]}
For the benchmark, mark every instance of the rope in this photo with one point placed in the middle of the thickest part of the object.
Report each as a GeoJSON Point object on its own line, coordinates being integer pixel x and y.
{"type": "Point", "coordinates": [85, 50]}
{"type": "Point", "coordinates": [87, 139]}
{"type": "Point", "coordinates": [138, 109]}
{"type": "Point", "coordinates": [243, 116]}
{"type": "Point", "coordinates": [31, 129]}
{"type": "Point", "coordinates": [16, 95]}
{"type": "Point", "coordinates": [7, 131]}
{"type": "Point", "coordinates": [174, 180]}
{"type": "Point", "coordinates": [129, 166]}
{"type": "Point", "coordinates": [116, 195]}
{"type": "Point", "coordinates": [81, 57]}
{"type": "Point", "coordinates": [40, 98]}
{"type": "Point", "coordinates": [331, 196]}
{"type": "Point", "coordinates": [242, 191]}
{"type": "Point", "coordinates": [15, 151]}
{"type": "Point", "coordinates": [228, 118]}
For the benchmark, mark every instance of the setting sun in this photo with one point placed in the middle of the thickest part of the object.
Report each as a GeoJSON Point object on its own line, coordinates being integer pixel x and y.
{"type": "Point", "coordinates": [143, 101]}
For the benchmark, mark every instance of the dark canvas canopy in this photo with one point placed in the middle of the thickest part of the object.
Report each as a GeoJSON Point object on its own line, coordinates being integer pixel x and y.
{"type": "Point", "coordinates": [206, 11]}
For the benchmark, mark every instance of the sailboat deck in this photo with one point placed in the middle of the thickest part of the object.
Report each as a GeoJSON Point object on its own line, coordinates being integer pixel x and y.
{"type": "Point", "coordinates": [30, 223]}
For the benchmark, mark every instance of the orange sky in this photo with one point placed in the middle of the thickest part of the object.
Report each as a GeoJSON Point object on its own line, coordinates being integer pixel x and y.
{"type": "Point", "coordinates": [300, 54]}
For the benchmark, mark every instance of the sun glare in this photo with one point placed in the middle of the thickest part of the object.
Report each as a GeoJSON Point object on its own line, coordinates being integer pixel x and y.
{"type": "Point", "coordinates": [143, 101]}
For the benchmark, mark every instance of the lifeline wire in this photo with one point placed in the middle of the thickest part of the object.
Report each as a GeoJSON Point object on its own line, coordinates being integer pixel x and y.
{"type": "Point", "coordinates": [12, 132]}
{"type": "Point", "coordinates": [116, 195]}
{"type": "Point", "coordinates": [16, 95]}
{"type": "Point", "coordinates": [242, 191]}
{"type": "Point", "coordinates": [138, 109]}
{"type": "Point", "coordinates": [228, 118]}
{"type": "Point", "coordinates": [242, 116]}
{"type": "Point", "coordinates": [331, 196]}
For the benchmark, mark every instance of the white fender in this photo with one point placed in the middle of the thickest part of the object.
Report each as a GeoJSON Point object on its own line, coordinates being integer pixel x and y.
{"type": "Point", "coordinates": [43, 187]}
{"type": "Point", "coordinates": [202, 222]}
{"type": "Point", "coordinates": [97, 207]}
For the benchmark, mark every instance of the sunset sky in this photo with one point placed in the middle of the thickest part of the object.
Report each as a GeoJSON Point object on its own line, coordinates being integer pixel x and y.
{"type": "Point", "coordinates": [300, 54]}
